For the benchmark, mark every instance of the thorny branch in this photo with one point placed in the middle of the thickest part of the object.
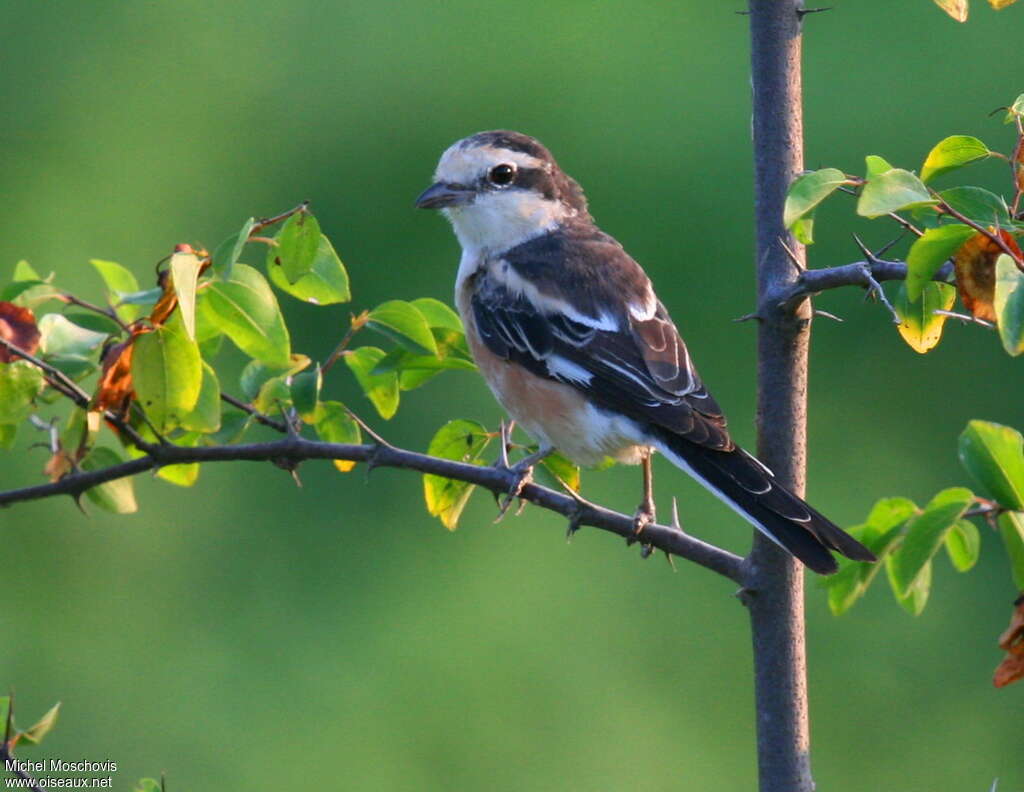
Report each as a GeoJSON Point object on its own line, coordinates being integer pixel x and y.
{"type": "Point", "coordinates": [295, 449]}
{"type": "Point", "coordinates": [868, 273]}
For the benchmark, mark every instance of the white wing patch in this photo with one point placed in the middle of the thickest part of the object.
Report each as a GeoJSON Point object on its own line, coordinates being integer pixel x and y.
{"type": "Point", "coordinates": [506, 275]}
{"type": "Point", "coordinates": [565, 369]}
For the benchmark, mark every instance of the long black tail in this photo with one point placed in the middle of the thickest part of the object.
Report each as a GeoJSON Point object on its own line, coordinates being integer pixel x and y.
{"type": "Point", "coordinates": [746, 485]}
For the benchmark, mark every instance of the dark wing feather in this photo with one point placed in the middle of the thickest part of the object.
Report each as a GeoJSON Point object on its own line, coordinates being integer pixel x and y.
{"type": "Point", "coordinates": [639, 368]}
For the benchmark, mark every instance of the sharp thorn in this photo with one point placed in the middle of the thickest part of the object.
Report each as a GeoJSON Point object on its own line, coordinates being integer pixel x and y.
{"type": "Point", "coordinates": [827, 315]}
{"type": "Point", "coordinates": [748, 317]}
{"type": "Point", "coordinates": [675, 517]}
{"type": "Point", "coordinates": [792, 257]}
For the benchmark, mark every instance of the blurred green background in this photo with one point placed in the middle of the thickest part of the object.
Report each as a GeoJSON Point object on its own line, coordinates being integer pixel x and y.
{"type": "Point", "coordinates": [248, 635]}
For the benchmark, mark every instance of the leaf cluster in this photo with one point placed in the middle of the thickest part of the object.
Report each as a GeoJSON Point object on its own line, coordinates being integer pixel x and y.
{"type": "Point", "coordinates": [906, 537]}
{"type": "Point", "coordinates": [969, 230]}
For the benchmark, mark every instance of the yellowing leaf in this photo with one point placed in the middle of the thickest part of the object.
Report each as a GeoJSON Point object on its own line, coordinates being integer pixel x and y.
{"type": "Point", "coordinates": [955, 8]}
{"type": "Point", "coordinates": [463, 441]}
{"type": "Point", "coordinates": [919, 325]}
{"type": "Point", "coordinates": [185, 268]}
{"type": "Point", "coordinates": [334, 424]}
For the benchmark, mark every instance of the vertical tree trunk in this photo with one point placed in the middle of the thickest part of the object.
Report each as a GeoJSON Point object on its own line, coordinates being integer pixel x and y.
{"type": "Point", "coordinates": [775, 579]}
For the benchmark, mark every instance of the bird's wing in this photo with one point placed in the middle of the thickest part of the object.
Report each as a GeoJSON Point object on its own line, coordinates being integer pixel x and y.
{"type": "Point", "coordinates": [604, 333]}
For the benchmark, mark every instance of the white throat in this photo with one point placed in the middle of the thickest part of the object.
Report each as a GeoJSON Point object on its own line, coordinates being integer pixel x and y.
{"type": "Point", "coordinates": [498, 221]}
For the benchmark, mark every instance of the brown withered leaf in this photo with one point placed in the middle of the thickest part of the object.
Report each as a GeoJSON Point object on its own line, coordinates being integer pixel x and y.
{"type": "Point", "coordinates": [115, 390]}
{"type": "Point", "coordinates": [1012, 642]}
{"type": "Point", "coordinates": [18, 326]}
{"type": "Point", "coordinates": [975, 263]}
{"type": "Point", "coordinates": [168, 300]}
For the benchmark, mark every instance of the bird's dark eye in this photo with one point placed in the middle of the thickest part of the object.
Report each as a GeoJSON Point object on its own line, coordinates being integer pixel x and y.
{"type": "Point", "coordinates": [502, 175]}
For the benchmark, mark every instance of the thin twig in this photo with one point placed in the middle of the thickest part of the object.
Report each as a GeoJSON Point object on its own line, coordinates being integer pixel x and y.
{"type": "Point", "coordinates": [356, 323]}
{"type": "Point", "coordinates": [261, 418]}
{"type": "Point", "coordinates": [965, 318]}
{"type": "Point", "coordinates": [66, 386]}
{"type": "Point", "coordinates": [297, 449]}
{"type": "Point", "coordinates": [996, 239]}
{"type": "Point", "coordinates": [269, 221]}
{"type": "Point", "coordinates": [107, 312]}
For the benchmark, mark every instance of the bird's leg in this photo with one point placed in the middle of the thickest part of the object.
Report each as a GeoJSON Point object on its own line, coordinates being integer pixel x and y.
{"type": "Point", "coordinates": [644, 514]}
{"type": "Point", "coordinates": [524, 475]}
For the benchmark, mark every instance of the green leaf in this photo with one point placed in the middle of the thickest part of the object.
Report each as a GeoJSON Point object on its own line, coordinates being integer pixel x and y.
{"type": "Point", "coordinates": [256, 373]}
{"type": "Point", "coordinates": [445, 324]}
{"type": "Point", "coordinates": [803, 230]}
{"type": "Point", "coordinates": [381, 389]}
{"type": "Point", "coordinates": [206, 415]}
{"type": "Point", "coordinates": [147, 785]}
{"type": "Point", "coordinates": [23, 271]}
{"type": "Point", "coordinates": [12, 291]}
{"type": "Point", "coordinates": [98, 323]}
{"type": "Point", "coordinates": [334, 424]}
{"type": "Point", "coordinates": [230, 250]}
{"type": "Point", "coordinates": [244, 307]}
{"type": "Point", "coordinates": [930, 251]}
{"type": "Point", "coordinates": [892, 191]}
{"type": "Point", "coordinates": [978, 204]}
{"type": "Point", "coordinates": [8, 434]}
{"type": "Point", "coordinates": [233, 424]}
{"type": "Point", "coordinates": [875, 166]}
{"type": "Point", "coordinates": [20, 384]}
{"type": "Point", "coordinates": [74, 366]}
{"type": "Point", "coordinates": [919, 325]}
{"type": "Point", "coordinates": [185, 275]}
{"type": "Point", "coordinates": [564, 469]}
{"type": "Point", "coordinates": [59, 336]}
{"type": "Point", "coordinates": [402, 322]}
{"type": "Point", "coordinates": [963, 545]}
{"type": "Point", "coordinates": [117, 496]}
{"type": "Point", "coordinates": [167, 373]}
{"type": "Point", "coordinates": [326, 283]}
{"type": "Point", "coordinates": [994, 457]}
{"type": "Point", "coordinates": [1016, 110]}
{"type": "Point", "coordinates": [186, 474]}
{"type": "Point", "coordinates": [119, 282]}
{"type": "Point", "coordinates": [437, 314]}
{"type": "Point", "coordinates": [844, 588]}
{"type": "Point", "coordinates": [145, 297]}
{"type": "Point", "coordinates": [915, 600]}
{"type": "Point", "coordinates": [955, 8]}
{"type": "Point", "coordinates": [1009, 304]}
{"type": "Point", "coordinates": [274, 396]}
{"type": "Point", "coordinates": [296, 248]}
{"type": "Point", "coordinates": [1011, 528]}
{"type": "Point", "coordinates": [806, 192]}
{"type": "Point", "coordinates": [880, 533]}
{"type": "Point", "coordinates": [305, 392]}
{"type": "Point", "coordinates": [952, 153]}
{"type": "Point", "coordinates": [463, 441]}
{"type": "Point", "coordinates": [925, 534]}
{"type": "Point", "coordinates": [35, 733]}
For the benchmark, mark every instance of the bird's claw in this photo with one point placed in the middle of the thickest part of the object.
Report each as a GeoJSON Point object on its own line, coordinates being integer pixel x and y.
{"type": "Point", "coordinates": [642, 517]}
{"type": "Point", "coordinates": [524, 476]}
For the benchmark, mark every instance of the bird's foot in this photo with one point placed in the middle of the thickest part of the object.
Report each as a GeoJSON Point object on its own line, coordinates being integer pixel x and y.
{"type": "Point", "coordinates": [643, 516]}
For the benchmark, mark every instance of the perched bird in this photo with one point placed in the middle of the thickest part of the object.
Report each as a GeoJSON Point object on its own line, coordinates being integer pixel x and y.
{"type": "Point", "coordinates": [571, 338]}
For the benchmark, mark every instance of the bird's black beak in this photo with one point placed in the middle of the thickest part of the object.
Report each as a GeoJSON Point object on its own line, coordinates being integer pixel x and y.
{"type": "Point", "coordinates": [440, 195]}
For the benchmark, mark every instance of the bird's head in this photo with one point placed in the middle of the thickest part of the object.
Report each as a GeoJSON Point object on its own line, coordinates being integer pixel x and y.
{"type": "Point", "coordinates": [502, 188]}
